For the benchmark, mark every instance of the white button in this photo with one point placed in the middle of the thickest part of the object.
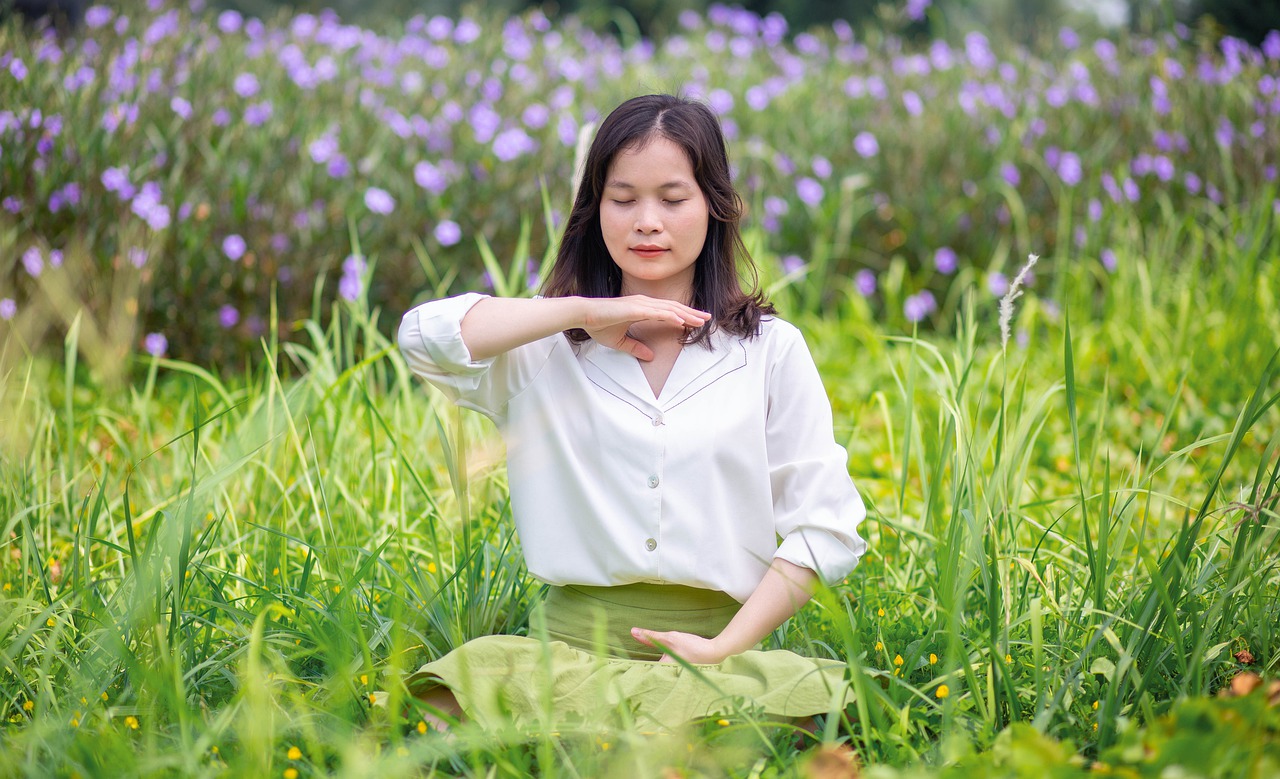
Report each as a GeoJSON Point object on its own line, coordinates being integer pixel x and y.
{"type": "Point", "coordinates": [653, 481]}
{"type": "Point", "coordinates": [650, 544]}
{"type": "Point", "coordinates": [657, 420]}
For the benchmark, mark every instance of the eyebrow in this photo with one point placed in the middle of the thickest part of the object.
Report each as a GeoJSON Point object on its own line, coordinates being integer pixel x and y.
{"type": "Point", "coordinates": [615, 184]}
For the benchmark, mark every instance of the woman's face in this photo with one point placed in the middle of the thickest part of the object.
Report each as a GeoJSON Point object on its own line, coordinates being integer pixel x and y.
{"type": "Point", "coordinates": [653, 218]}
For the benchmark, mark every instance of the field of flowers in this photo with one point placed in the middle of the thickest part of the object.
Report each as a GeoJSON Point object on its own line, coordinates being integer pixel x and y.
{"type": "Point", "coordinates": [232, 519]}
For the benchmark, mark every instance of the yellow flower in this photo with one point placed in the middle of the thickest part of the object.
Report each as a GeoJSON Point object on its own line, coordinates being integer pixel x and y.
{"type": "Point", "coordinates": [75, 722]}
{"type": "Point", "coordinates": [364, 679]}
{"type": "Point", "coordinates": [879, 646]}
{"type": "Point", "coordinates": [28, 705]}
{"type": "Point", "coordinates": [295, 753]}
{"type": "Point", "coordinates": [275, 571]}
{"type": "Point", "coordinates": [897, 659]}
{"type": "Point", "coordinates": [337, 588]}
{"type": "Point", "coordinates": [942, 691]}
{"type": "Point", "coordinates": [879, 612]}
{"type": "Point", "coordinates": [431, 568]}
{"type": "Point", "coordinates": [7, 586]}
{"type": "Point", "coordinates": [131, 722]}
{"type": "Point", "coordinates": [51, 622]}
{"type": "Point", "coordinates": [724, 723]}
{"type": "Point", "coordinates": [290, 773]}
{"type": "Point", "coordinates": [84, 701]}
{"type": "Point", "coordinates": [104, 696]}
{"type": "Point", "coordinates": [1008, 659]}
{"type": "Point", "coordinates": [1095, 705]}
{"type": "Point", "coordinates": [422, 726]}
{"type": "Point", "coordinates": [373, 699]}
{"type": "Point", "coordinates": [214, 749]}
{"type": "Point", "coordinates": [605, 746]}
{"type": "Point", "coordinates": [933, 659]}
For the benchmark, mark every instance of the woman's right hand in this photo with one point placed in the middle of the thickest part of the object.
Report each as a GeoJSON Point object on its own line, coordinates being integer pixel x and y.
{"type": "Point", "coordinates": [608, 320]}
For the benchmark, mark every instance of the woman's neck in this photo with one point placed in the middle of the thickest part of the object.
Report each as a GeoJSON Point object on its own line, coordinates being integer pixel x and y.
{"type": "Point", "coordinates": [666, 290]}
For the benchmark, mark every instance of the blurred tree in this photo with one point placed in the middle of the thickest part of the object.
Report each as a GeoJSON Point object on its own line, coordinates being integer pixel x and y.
{"type": "Point", "coordinates": [1247, 19]}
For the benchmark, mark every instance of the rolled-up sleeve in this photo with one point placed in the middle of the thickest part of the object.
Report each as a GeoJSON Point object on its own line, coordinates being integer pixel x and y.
{"type": "Point", "coordinates": [430, 339]}
{"type": "Point", "coordinates": [817, 509]}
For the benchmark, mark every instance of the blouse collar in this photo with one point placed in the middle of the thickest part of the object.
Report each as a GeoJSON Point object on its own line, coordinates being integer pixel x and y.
{"type": "Point", "coordinates": [696, 368]}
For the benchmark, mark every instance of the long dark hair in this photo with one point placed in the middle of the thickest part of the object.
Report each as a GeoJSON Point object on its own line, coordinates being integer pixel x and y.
{"type": "Point", "coordinates": [583, 265]}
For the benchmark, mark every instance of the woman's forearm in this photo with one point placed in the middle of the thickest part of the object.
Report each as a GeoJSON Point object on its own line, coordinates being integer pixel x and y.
{"type": "Point", "coordinates": [497, 325]}
{"type": "Point", "coordinates": [783, 590]}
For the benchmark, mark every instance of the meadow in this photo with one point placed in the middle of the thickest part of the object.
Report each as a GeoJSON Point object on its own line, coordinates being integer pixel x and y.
{"type": "Point", "coordinates": [233, 519]}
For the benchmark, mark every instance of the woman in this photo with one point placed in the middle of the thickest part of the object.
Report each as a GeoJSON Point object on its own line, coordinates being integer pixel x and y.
{"type": "Point", "coordinates": [663, 430]}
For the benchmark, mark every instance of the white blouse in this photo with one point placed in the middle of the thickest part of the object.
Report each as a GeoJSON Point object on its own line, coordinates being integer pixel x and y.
{"type": "Point", "coordinates": [611, 485]}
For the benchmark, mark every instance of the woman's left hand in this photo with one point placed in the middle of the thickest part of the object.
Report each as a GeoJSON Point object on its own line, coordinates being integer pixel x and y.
{"type": "Point", "coordinates": [687, 646]}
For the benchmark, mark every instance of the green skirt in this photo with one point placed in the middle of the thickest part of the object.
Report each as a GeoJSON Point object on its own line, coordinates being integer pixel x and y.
{"type": "Point", "coordinates": [583, 667]}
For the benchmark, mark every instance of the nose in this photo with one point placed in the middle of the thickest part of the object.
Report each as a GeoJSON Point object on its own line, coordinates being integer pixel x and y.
{"type": "Point", "coordinates": [647, 220]}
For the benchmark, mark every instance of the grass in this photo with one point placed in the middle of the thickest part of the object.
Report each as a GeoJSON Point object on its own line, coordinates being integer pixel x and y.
{"type": "Point", "coordinates": [1072, 535]}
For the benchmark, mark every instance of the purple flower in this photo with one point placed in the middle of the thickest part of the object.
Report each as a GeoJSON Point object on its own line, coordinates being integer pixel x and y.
{"type": "Point", "coordinates": [155, 344]}
{"type": "Point", "coordinates": [339, 167]}
{"type": "Point", "coordinates": [1225, 132]}
{"type": "Point", "coordinates": [448, 232]}
{"type": "Point", "coordinates": [513, 143]}
{"type": "Point", "coordinates": [1068, 38]}
{"type": "Point", "coordinates": [720, 101]}
{"type": "Point", "coordinates": [1095, 209]}
{"type": "Point", "coordinates": [1009, 172]}
{"type": "Point", "coordinates": [484, 122]}
{"type": "Point", "coordinates": [916, 9]}
{"type": "Point", "coordinates": [535, 116]}
{"type": "Point", "coordinates": [233, 246]}
{"type": "Point", "coordinates": [792, 264]}
{"type": "Point", "coordinates": [945, 259]}
{"type": "Point", "coordinates": [246, 85]}
{"type": "Point", "coordinates": [17, 69]}
{"type": "Point", "coordinates": [257, 114]}
{"type": "Point", "coordinates": [1271, 45]}
{"type": "Point", "coordinates": [810, 191]}
{"type": "Point", "coordinates": [379, 201]}
{"type": "Point", "coordinates": [1069, 169]}
{"type": "Point", "coordinates": [821, 167]}
{"type": "Point", "coordinates": [1109, 260]}
{"type": "Point", "coordinates": [1192, 182]}
{"type": "Point", "coordinates": [912, 102]}
{"type": "Point", "coordinates": [97, 16]}
{"type": "Point", "coordinates": [221, 117]}
{"type": "Point", "coordinates": [230, 21]}
{"type": "Point", "coordinates": [228, 315]}
{"type": "Point", "coordinates": [918, 306]}
{"type": "Point", "coordinates": [865, 144]}
{"type": "Point", "coordinates": [137, 256]}
{"type": "Point", "coordinates": [33, 261]}
{"type": "Point", "coordinates": [466, 31]}
{"type": "Point", "coordinates": [865, 282]}
{"type": "Point", "coordinates": [354, 265]}
{"type": "Point", "coordinates": [181, 107]}
{"type": "Point", "coordinates": [997, 283]}
{"type": "Point", "coordinates": [350, 287]}
{"type": "Point", "coordinates": [55, 258]}
{"type": "Point", "coordinates": [11, 204]}
{"type": "Point", "coordinates": [430, 177]}
{"type": "Point", "coordinates": [8, 309]}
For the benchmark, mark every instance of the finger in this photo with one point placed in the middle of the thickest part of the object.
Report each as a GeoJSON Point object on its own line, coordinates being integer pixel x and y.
{"type": "Point", "coordinates": [666, 659]}
{"type": "Point", "coordinates": [637, 349]}
{"type": "Point", "coordinates": [642, 636]}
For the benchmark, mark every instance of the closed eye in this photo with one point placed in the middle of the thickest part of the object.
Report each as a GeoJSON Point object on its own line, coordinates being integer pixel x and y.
{"type": "Point", "coordinates": [674, 202]}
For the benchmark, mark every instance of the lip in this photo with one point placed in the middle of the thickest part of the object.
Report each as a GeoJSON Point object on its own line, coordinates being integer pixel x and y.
{"type": "Point", "coordinates": [647, 250]}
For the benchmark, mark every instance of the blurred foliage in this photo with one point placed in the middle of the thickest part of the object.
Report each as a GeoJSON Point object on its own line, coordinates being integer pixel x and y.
{"type": "Point", "coordinates": [1247, 19]}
